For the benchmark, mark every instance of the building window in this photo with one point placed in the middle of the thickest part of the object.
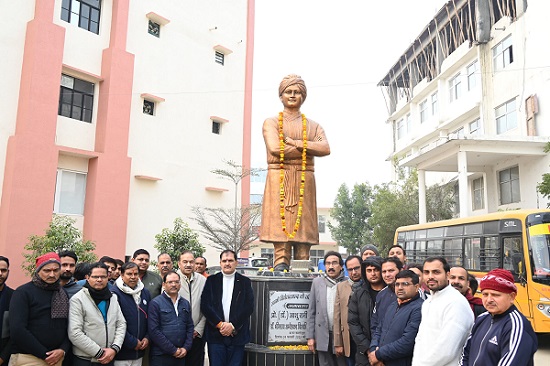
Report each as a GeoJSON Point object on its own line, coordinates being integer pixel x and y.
{"type": "Point", "coordinates": [475, 127]}
{"type": "Point", "coordinates": [408, 122]}
{"type": "Point", "coordinates": [400, 129]}
{"type": "Point", "coordinates": [148, 107]}
{"type": "Point", "coordinates": [76, 99]}
{"type": "Point", "coordinates": [154, 28]}
{"type": "Point", "coordinates": [434, 104]}
{"type": "Point", "coordinates": [315, 255]}
{"type": "Point", "coordinates": [506, 116]}
{"type": "Point", "coordinates": [503, 54]}
{"type": "Point", "coordinates": [322, 223]}
{"type": "Point", "coordinates": [70, 192]}
{"type": "Point", "coordinates": [508, 181]}
{"type": "Point", "coordinates": [84, 13]}
{"type": "Point", "coordinates": [454, 88]}
{"type": "Point", "coordinates": [473, 75]}
{"type": "Point", "coordinates": [478, 194]}
{"type": "Point", "coordinates": [424, 111]}
{"type": "Point", "coordinates": [219, 57]}
{"type": "Point", "coordinates": [216, 127]}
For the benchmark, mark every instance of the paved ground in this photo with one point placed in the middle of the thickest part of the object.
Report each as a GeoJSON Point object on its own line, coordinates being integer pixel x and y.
{"type": "Point", "coordinates": [542, 357]}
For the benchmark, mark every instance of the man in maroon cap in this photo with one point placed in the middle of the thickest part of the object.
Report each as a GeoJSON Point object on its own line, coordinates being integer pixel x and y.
{"type": "Point", "coordinates": [38, 316]}
{"type": "Point", "coordinates": [502, 335]}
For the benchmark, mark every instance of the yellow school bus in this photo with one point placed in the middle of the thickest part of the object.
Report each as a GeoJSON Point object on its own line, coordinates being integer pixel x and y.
{"type": "Point", "coordinates": [515, 240]}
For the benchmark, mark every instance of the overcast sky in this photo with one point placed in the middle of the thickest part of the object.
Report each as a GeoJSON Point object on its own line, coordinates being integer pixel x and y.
{"type": "Point", "coordinates": [342, 49]}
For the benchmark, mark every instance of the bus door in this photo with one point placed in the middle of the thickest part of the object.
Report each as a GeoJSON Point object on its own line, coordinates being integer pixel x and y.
{"type": "Point", "coordinates": [513, 260]}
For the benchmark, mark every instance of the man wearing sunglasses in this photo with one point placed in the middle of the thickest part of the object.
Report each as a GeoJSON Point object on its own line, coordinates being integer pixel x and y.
{"type": "Point", "coordinates": [343, 344]}
{"type": "Point", "coordinates": [392, 343]}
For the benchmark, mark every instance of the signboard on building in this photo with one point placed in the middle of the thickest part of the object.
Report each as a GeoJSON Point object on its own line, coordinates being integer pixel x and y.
{"type": "Point", "coordinates": [288, 316]}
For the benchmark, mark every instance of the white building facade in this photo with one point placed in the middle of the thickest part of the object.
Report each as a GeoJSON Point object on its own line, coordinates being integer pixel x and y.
{"type": "Point", "coordinates": [467, 99]}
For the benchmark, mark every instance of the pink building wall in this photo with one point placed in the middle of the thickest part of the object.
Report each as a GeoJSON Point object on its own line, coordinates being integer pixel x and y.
{"type": "Point", "coordinates": [32, 155]}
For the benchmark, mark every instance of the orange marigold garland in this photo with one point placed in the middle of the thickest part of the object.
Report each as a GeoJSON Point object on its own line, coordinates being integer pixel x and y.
{"type": "Point", "coordinates": [282, 175]}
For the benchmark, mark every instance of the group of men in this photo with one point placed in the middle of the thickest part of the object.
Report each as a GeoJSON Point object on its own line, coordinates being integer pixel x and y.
{"type": "Point", "coordinates": [386, 313]}
{"type": "Point", "coordinates": [125, 315]}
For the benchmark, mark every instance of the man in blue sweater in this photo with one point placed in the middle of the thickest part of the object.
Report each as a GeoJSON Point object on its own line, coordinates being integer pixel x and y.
{"type": "Point", "coordinates": [170, 324]}
{"type": "Point", "coordinates": [502, 336]}
{"type": "Point", "coordinates": [392, 343]}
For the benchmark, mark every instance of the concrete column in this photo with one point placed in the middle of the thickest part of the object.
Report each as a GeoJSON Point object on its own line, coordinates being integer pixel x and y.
{"type": "Point", "coordinates": [462, 160]}
{"type": "Point", "coordinates": [421, 196]}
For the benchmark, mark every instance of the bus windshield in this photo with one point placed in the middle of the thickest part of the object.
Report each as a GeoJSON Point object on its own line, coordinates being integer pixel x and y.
{"type": "Point", "coordinates": [539, 245]}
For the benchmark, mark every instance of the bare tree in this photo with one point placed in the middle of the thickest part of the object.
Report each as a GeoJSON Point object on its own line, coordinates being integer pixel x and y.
{"type": "Point", "coordinates": [233, 228]}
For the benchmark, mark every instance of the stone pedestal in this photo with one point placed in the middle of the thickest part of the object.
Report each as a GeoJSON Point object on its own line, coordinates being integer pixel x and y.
{"type": "Point", "coordinates": [279, 319]}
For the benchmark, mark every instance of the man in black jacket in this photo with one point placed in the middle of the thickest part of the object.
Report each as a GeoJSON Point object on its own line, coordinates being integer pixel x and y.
{"type": "Point", "coordinates": [227, 302]}
{"type": "Point", "coordinates": [361, 304]}
{"type": "Point", "coordinates": [5, 298]}
{"type": "Point", "coordinates": [39, 313]}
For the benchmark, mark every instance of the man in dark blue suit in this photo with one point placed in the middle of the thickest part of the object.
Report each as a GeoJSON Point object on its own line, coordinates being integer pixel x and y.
{"type": "Point", "coordinates": [227, 302]}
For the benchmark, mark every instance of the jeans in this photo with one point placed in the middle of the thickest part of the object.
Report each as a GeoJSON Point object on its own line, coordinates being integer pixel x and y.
{"type": "Point", "coordinates": [222, 355]}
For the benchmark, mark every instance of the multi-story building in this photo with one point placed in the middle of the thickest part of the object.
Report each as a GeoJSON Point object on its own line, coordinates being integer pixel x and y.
{"type": "Point", "coordinates": [116, 111]}
{"type": "Point", "coordinates": [467, 98]}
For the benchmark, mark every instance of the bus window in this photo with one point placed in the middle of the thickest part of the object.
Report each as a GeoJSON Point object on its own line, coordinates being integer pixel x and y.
{"type": "Point", "coordinates": [436, 232]}
{"type": "Point", "coordinates": [513, 258]}
{"type": "Point", "coordinates": [453, 251]}
{"type": "Point", "coordinates": [435, 248]}
{"type": "Point", "coordinates": [473, 229]}
{"type": "Point", "coordinates": [420, 253]}
{"type": "Point", "coordinates": [456, 230]}
{"type": "Point", "coordinates": [420, 234]}
{"type": "Point", "coordinates": [540, 249]}
{"type": "Point", "coordinates": [472, 247]}
{"type": "Point", "coordinates": [489, 254]}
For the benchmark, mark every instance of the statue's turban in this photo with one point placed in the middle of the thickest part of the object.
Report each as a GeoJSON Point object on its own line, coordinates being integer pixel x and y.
{"type": "Point", "coordinates": [293, 79]}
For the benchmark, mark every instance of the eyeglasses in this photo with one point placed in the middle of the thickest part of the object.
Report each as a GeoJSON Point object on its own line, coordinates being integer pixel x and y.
{"type": "Point", "coordinates": [98, 277]}
{"type": "Point", "coordinates": [173, 282]}
{"type": "Point", "coordinates": [403, 284]}
{"type": "Point", "coordinates": [354, 269]}
{"type": "Point", "coordinates": [329, 264]}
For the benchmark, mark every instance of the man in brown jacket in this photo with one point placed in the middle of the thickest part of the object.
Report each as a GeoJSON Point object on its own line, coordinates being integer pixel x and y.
{"type": "Point", "coordinates": [343, 343]}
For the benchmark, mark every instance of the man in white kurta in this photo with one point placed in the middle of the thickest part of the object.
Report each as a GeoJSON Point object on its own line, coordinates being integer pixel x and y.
{"type": "Point", "coordinates": [446, 319]}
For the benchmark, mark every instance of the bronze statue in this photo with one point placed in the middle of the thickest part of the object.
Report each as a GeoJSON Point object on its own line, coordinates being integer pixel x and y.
{"type": "Point", "coordinates": [289, 209]}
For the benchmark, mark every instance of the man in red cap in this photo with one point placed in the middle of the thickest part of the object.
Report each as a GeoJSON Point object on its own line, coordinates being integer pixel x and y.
{"type": "Point", "coordinates": [502, 335]}
{"type": "Point", "coordinates": [38, 316]}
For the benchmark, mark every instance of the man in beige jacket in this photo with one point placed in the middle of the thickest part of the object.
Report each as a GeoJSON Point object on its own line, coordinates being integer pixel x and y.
{"type": "Point", "coordinates": [343, 343]}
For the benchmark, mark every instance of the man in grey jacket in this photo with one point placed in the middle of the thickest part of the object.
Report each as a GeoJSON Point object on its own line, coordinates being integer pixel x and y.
{"type": "Point", "coordinates": [320, 316]}
{"type": "Point", "coordinates": [96, 324]}
{"type": "Point", "coordinates": [192, 284]}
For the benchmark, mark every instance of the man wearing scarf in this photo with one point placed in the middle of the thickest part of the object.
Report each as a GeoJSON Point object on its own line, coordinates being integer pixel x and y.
{"type": "Point", "coordinates": [96, 324]}
{"type": "Point", "coordinates": [38, 316]}
{"type": "Point", "coordinates": [460, 279]}
{"type": "Point", "coordinates": [134, 301]}
{"type": "Point", "coordinates": [320, 316]}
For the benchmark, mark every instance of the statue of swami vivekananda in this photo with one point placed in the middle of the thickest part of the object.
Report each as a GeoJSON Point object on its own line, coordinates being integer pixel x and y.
{"type": "Point", "coordinates": [289, 209]}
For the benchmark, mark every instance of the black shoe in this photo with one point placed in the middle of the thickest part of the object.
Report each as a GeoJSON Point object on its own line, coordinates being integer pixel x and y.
{"type": "Point", "coordinates": [281, 267]}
